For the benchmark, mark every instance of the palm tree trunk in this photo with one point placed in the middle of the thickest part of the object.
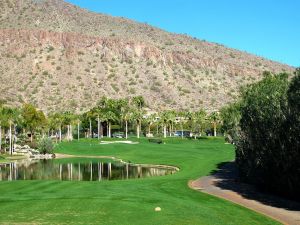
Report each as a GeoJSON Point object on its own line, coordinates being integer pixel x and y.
{"type": "Point", "coordinates": [165, 131]}
{"type": "Point", "coordinates": [78, 135]}
{"type": "Point", "coordinates": [68, 132]}
{"type": "Point", "coordinates": [126, 129]}
{"type": "Point", "coordinates": [138, 129]}
{"type": "Point", "coordinates": [98, 128]}
{"type": "Point", "coordinates": [215, 129]}
{"type": "Point", "coordinates": [109, 129]}
{"type": "Point", "coordinates": [181, 131]}
{"type": "Point", "coordinates": [60, 134]}
{"type": "Point", "coordinates": [91, 128]}
{"type": "Point", "coordinates": [200, 131]}
{"type": "Point", "coordinates": [10, 141]}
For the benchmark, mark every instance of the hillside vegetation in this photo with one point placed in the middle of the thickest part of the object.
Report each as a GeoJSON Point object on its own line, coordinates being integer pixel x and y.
{"type": "Point", "coordinates": [61, 57]}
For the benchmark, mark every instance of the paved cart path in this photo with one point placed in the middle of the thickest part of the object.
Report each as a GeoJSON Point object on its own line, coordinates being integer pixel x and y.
{"type": "Point", "coordinates": [223, 183]}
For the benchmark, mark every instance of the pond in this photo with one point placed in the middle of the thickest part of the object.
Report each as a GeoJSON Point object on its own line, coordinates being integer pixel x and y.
{"type": "Point", "coordinates": [78, 170]}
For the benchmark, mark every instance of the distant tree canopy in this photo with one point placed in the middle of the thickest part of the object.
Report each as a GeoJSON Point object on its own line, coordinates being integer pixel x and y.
{"type": "Point", "coordinates": [268, 145]}
{"type": "Point", "coordinates": [32, 118]}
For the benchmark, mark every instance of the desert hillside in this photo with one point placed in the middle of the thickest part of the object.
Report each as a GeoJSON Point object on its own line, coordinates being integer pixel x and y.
{"type": "Point", "coordinates": [61, 57]}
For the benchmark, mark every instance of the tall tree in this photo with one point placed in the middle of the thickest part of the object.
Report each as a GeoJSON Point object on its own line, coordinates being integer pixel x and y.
{"type": "Point", "coordinates": [215, 119]}
{"type": "Point", "coordinates": [164, 119]}
{"type": "Point", "coordinates": [8, 116]}
{"type": "Point", "coordinates": [138, 102]}
{"type": "Point", "coordinates": [137, 116]}
{"type": "Point", "coordinates": [69, 119]}
{"type": "Point", "coordinates": [125, 114]}
{"type": "Point", "coordinates": [267, 153]}
{"type": "Point", "coordinates": [56, 121]}
{"type": "Point", "coordinates": [200, 118]}
{"type": "Point", "coordinates": [231, 117]}
{"type": "Point", "coordinates": [33, 119]}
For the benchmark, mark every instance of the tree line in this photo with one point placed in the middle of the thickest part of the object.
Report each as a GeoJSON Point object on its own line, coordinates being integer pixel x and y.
{"type": "Point", "coordinates": [128, 115]}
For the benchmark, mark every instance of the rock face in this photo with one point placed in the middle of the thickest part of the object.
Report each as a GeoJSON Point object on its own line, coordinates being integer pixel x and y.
{"type": "Point", "coordinates": [61, 57]}
{"type": "Point", "coordinates": [30, 153]}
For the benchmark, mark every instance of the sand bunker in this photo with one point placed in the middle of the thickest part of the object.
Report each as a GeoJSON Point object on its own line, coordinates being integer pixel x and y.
{"type": "Point", "coordinates": [118, 142]}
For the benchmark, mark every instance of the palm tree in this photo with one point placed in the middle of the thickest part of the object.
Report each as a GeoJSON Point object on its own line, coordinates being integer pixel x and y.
{"type": "Point", "coordinates": [137, 115]}
{"type": "Point", "coordinates": [91, 115]}
{"type": "Point", "coordinates": [78, 128]}
{"type": "Point", "coordinates": [68, 120]}
{"type": "Point", "coordinates": [96, 113]}
{"type": "Point", "coordinates": [8, 117]}
{"type": "Point", "coordinates": [150, 119]}
{"type": "Point", "coordinates": [98, 125]}
{"type": "Point", "coordinates": [139, 102]}
{"type": "Point", "coordinates": [164, 119]}
{"type": "Point", "coordinates": [190, 117]}
{"type": "Point", "coordinates": [215, 119]}
{"type": "Point", "coordinates": [171, 121]}
{"type": "Point", "coordinates": [111, 116]}
{"type": "Point", "coordinates": [181, 116]}
{"type": "Point", "coordinates": [108, 111]}
{"type": "Point", "coordinates": [156, 120]}
{"type": "Point", "coordinates": [56, 121]}
{"type": "Point", "coordinates": [200, 118]}
{"type": "Point", "coordinates": [125, 115]}
{"type": "Point", "coordinates": [231, 117]}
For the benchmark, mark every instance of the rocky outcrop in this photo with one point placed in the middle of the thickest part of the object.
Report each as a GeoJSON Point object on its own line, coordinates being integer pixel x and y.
{"type": "Point", "coordinates": [30, 153]}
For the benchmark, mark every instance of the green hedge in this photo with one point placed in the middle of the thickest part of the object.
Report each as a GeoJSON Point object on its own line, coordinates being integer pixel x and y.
{"type": "Point", "coordinates": [268, 147]}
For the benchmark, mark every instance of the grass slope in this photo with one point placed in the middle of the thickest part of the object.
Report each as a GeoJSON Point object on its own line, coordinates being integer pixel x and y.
{"type": "Point", "coordinates": [129, 201]}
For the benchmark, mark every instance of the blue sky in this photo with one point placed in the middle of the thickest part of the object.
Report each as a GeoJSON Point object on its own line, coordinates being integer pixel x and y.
{"type": "Point", "coordinates": [268, 28]}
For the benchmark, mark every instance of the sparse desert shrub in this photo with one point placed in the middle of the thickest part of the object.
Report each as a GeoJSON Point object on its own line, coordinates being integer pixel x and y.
{"type": "Point", "coordinates": [45, 146]}
{"type": "Point", "coordinates": [132, 91]}
{"type": "Point", "coordinates": [50, 48]}
{"type": "Point", "coordinates": [155, 88]}
{"type": "Point", "coordinates": [115, 87]}
{"type": "Point", "coordinates": [149, 63]}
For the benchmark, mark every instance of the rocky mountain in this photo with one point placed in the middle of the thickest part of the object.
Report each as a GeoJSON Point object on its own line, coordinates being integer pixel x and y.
{"type": "Point", "coordinates": [61, 57]}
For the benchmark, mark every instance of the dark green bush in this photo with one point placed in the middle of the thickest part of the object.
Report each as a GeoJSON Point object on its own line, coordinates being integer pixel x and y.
{"type": "Point", "coordinates": [267, 152]}
{"type": "Point", "coordinates": [45, 146]}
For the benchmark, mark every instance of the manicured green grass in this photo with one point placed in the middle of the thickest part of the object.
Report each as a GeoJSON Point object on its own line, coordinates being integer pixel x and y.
{"type": "Point", "coordinates": [129, 201]}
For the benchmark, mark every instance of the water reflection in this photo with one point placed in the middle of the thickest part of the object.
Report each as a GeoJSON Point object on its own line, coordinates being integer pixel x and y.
{"type": "Point", "coordinates": [78, 170]}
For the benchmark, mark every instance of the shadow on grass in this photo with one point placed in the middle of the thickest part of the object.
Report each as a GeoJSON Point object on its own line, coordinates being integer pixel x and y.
{"type": "Point", "coordinates": [227, 175]}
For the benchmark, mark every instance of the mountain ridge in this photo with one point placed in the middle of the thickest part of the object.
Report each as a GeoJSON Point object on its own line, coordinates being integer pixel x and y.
{"type": "Point", "coordinates": [66, 58]}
